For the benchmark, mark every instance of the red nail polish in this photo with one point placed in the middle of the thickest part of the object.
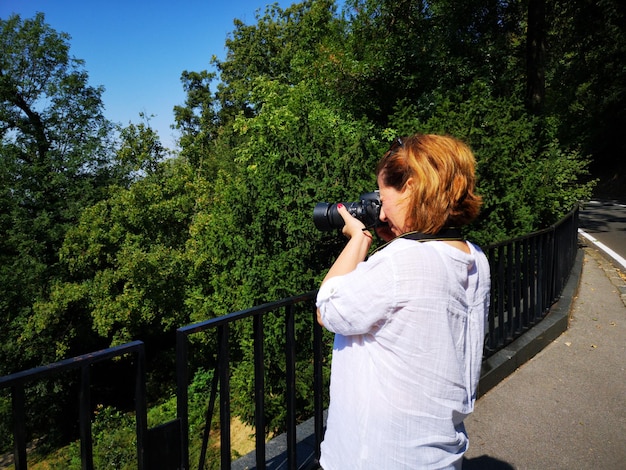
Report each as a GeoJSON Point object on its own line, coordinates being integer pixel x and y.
{"type": "Point", "coordinates": [339, 206]}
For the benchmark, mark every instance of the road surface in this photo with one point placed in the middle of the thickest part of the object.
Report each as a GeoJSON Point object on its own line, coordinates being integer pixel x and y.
{"type": "Point", "coordinates": [603, 223]}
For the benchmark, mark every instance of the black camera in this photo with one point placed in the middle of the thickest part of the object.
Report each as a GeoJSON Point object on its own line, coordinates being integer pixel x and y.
{"type": "Point", "coordinates": [367, 210]}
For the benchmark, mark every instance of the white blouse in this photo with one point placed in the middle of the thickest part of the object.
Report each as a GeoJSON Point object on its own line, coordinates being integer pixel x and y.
{"type": "Point", "coordinates": [410, 325]}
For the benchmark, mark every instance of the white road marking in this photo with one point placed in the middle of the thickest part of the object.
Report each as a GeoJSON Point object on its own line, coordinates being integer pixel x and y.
{"type": "Point", "coordinates": [604, 248]}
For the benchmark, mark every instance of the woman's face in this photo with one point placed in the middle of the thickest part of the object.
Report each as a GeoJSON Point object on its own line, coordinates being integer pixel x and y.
{"type": "Point", "coordinates": [394, 207]}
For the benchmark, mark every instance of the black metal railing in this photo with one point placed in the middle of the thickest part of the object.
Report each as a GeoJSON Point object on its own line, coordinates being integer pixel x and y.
{"type": "Point", "coordinates": [222, 373]}
{"type": "Point", "coordinates": [20, 380]}
{"type": "Point", "coordinates": [528, 276]}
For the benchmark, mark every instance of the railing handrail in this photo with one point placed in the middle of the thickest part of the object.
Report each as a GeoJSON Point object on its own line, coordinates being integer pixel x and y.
{"type": "Point", "coordinates": [41, 372]}
{"type": "Point", "coordinates": [550, 229]}
{"type": "Point", "coordinates": [241, 314]}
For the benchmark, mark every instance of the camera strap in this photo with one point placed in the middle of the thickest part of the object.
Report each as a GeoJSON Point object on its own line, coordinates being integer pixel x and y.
{"type": "Point", "coordinates": [447, 234]}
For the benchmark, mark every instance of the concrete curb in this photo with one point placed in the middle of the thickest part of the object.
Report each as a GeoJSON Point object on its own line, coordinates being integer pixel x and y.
{"type": "Point", "coordinates": [506, 361]}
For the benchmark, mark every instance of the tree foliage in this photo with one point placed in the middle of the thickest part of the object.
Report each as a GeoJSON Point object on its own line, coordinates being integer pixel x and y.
{"type": "Point", "coordinates": [126, 262]}
{"type": "Point", "coordinates": [586, 79]}
{"type": "Point", "coordinates": [526, 182]}
{"type": "Point", "coordinates": [54, 161]}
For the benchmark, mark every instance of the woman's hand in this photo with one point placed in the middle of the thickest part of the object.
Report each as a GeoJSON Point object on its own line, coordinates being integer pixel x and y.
{"type": "Point", "coordinates": [355, 251]}
{"type": "Point", "coordinates": [353, 227]}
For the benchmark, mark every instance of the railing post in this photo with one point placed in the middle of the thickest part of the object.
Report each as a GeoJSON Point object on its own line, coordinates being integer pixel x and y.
{"type": "Point", "coordinates": [182, 380]}
{"type": "Point", "coordinates": [550, 263]}
{"type": "Point", "coordinates": [534, 267]}
{"type": "Point", "coordinates": [491, 320]}
{"type": "Point", "coordinates": [141, 407]}
{"type": "Point", "coordinates": [290, 353]}
{"type": "Point", "coordinates": [510, 298]}
{"type": "Point", "coordinates": [526, 281]}
{"type": "Point", "coordinates": [541, 274]}
{"type": "Point", "coordinates": [500, 288]}
{"type": "Point", "coordinates": [516, 282]}
{"type": "Point", "coordinates": [86, 443]}
{"type": "Point", "coordinates": [318, 384]}
{"type": "Point", "coordinates": [224, 368]}
{"type": "Point", "coordinates": [18, 398]}
{"type": "Point", "coordinates": [259, 391]}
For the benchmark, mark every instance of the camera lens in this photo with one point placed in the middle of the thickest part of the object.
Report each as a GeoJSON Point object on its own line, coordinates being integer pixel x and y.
{"type": "Point", "coordinates": [326, 217]}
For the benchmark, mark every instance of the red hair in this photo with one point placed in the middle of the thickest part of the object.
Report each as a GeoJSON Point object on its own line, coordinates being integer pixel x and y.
{"type": "Point", "coordinates": [440, 174]}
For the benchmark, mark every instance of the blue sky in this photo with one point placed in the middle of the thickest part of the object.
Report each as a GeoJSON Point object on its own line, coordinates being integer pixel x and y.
{"type": "Point", "coordinates": [137, 49]}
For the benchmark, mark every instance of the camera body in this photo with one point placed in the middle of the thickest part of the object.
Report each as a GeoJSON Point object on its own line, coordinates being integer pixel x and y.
{"type": "Point", "coordinates": [367, 210]}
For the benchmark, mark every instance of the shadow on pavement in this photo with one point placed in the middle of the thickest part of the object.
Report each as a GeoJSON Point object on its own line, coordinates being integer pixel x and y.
{"type": "Point", "coordinates": [484, 462]}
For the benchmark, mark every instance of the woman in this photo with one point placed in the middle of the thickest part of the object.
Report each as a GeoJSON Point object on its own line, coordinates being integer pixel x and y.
{"type": "Point", "coordinates": [408, 322]}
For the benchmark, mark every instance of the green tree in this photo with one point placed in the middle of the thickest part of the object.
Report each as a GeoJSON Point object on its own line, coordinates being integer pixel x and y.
{"type": "Point", "coordinates": [197, 119]}
{"type": "Point", "coordinates": [536, 56]}
{"type": "Point", "coordinates": [403, 51]}
{"type": "Point", "coordinates": [127, 265]}
{"type": "Point", "coordinates": [526, 182]}
{"type": "Point", "coordinates": [55, 160]}
{"type": "Point", "coordinates": [281, 46]}
{"type": "Point", "coordinates": [140, 151]}
{"type": "Point", "coordinates": [586, 79]}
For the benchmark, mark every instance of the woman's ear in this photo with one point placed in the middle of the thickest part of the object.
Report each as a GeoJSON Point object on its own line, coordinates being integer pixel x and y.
{"type": "Point", "coordinates": [409, 185]}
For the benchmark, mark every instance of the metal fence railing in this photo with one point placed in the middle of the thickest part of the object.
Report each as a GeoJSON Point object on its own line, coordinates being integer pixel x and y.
{"type": "Point", "coordinates": [528, 276]}
{"type": "Point", "coordinates": [19, 381]}
{"type": "Point", "coordinates": [221, 326]}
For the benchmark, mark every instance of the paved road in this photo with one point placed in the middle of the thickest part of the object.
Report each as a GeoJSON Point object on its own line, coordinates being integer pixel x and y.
{"type": "Point", "coordinates": [603, 224]}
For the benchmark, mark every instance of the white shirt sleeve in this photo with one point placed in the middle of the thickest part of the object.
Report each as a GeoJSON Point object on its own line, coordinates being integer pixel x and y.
{"type": "Point", "coordinates": [347, 303]}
